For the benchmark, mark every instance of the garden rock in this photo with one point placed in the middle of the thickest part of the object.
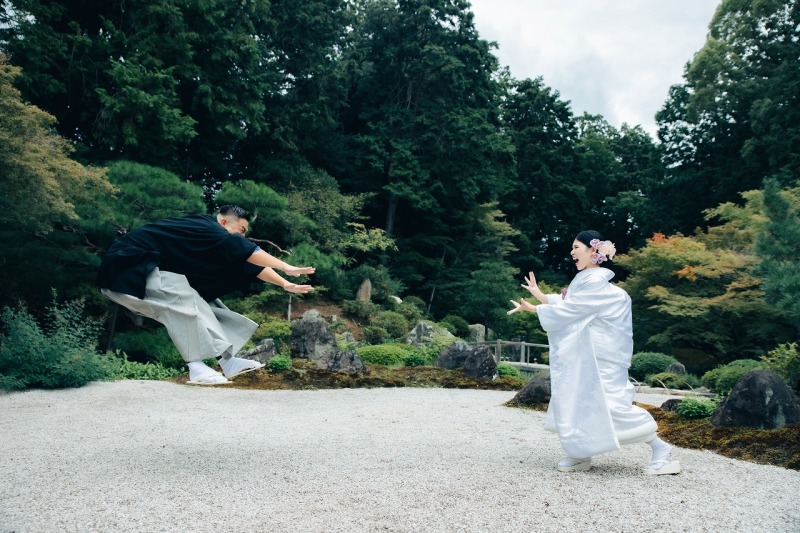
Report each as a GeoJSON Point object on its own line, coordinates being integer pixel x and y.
{"type": "Point", "coordinates": [760, 399]}
{"type": "Point", "coordinates": [453, 356]}
{"type": "Point", "coordinates": [342, 361]}
{"type": "Point", "coordinates": [480, 364]}
{"type": "Point", "coordinates": [676, 368]}
{"type": "Point", "coordinates": [536, 391]}
{"type": "Point", "coordinates": [312, 337]}
{"type": "Point", "coordinates": [477, 333]}
{"type": "Point", "coordinates": [263, 352]}
{"type": "Point", "coordinates": [671, 405]}
{"type": "Point", "coordinates": [364, 293]}
{"type": "Point", "coordinates": [425, 332]}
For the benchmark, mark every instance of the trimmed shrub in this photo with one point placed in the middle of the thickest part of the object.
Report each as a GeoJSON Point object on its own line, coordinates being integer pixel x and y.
{"type": "Point", "coordinates": [277, 329]}
{"type": "Point", "coordinates": [459, 326]}
{"type": "Point", "coordinates": [358, 309]}
{"type": "Point", "coordinates": [722, 379]}
{"type": "Point", "coordinates": [279, 363]}
{"type": "Point", "coordinates": [151, 345]}
{"type": "Point", "coordinates": [384, 354]}
{"type": "Point", "coordinates": [784, 361]}
{"type": "Point", "coordinates": [61, 354]}
{"type": "Point", "coordinates": [504, 369]}
{"type": "Point", "coordinates": [414, 359]}
{"type": "Point", "coordinates": [393, 323]}
{"type": "Point", "coordinates": [692, 408]}
{"type": "Point", "coordinates": [375, 335]}
{"type": "Point", "coordinates": [673, 381]}
{"type": "Point", "coordinates": [410, 312]}
{"type": "Point", "coordinates": [644, 364]}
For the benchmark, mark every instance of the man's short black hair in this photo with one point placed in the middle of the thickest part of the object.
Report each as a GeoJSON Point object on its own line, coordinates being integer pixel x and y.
{"type": "Point", "coordinates": [234, 210]}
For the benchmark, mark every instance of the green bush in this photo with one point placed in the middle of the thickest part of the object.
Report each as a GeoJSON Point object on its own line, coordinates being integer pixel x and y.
{"type": "Point", "coordinates": [61, 354]}
{"type": "Point", "coordinates": [277, 329]}
{"type": "Point", "coordinates": [644, 364]}
{"type": "Point", "coordinates": [279, 363]}
{"type": "Point", "coordinates": [504, 369]}
{"type": "Point", "coordinates": [125, 369]}
{"type": "Point", "coordinates": [414, 359]}
{"type": "Point", "coordinates": [722, 379]}
{"type": "Point", "coordinates": [784, 361]}
{"type": "Point", "coordinates": [150, 345]}
{"type": "Point", "coordinates": [393, 323]}
{"type": "Point", "coordinates": [692, 408]}
{"type": "Point", "coordinates": [375, 335]}
{"type": "Point", "coordinates": [460, 326]}
{"type": "Point", "coordinates": [673, 381]}
{"type": "Point", "coordinates": [411, 312]}
{"type": "Point", "coordinates": [384, 354]}
{"type": "Point", "coordinates": [359, 310]}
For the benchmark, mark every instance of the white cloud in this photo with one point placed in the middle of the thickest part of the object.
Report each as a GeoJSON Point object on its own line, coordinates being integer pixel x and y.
{"type": "Point", "coordinates": [616, 58]}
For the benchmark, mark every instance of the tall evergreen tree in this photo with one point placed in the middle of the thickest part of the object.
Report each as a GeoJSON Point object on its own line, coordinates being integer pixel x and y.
{"type": "Point", "coordinates": [777, 248]}
{"type": "Point", "coordinates": [736, 118]}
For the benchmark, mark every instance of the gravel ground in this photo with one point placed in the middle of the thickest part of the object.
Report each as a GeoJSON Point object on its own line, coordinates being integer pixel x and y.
{"type": "Point", "coordinates": [157, 456]}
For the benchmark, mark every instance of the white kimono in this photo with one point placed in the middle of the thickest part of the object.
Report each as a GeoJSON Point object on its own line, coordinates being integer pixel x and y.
{"type": "Point", "coordinates": [591, 344]}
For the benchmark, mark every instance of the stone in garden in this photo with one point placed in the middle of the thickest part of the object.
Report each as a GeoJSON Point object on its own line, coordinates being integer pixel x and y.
{"type": "Point", "coordinates": [453, 356]}
{"type": "Point", "coordinates": [477, 333]}
{"type": "Point", "coordinates": [760, 399]}
{"type": "Point", "coordinates": [312, 337]}
{"type": "Point", "coordinates": [676, 368]}
{"type": "Point", "coordinates": [346, 336]}
{"type": "Point", "coordinates": [364, 293]}
{"type": "Point", "coordinates": [425, 332]}
{"type": "Point", "coordinates": [536, 391]}
{"type": "Point", "coordinates": [342, 361]}
{"type": "Point", "coordinates": [396, 299]}
{"type": "Point", "coordinates": [480, 364]}
{"type": "Point", "coordinates": [263, 352]}
{"type": "Point", "coordinates": [671, 404]}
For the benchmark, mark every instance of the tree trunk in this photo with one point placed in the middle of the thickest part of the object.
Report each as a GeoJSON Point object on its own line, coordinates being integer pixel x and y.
{"type": "Point", "coordinates": [390, 213]}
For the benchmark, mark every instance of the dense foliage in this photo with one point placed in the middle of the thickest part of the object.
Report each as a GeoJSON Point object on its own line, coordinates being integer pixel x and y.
{"type": "Point", "coordinates": [381, 139]}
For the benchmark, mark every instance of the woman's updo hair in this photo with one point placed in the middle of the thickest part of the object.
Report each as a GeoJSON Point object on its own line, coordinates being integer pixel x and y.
{"type": "Point", "coordinates": [587, 236]}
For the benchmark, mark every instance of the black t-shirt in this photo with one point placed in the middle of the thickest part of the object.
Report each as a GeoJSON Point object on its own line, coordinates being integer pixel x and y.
{"type": "Point", "coordinates": [197, 246]}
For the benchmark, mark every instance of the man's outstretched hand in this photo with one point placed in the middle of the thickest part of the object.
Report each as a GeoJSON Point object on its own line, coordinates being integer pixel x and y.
{"type": "Point", "coordinates": [298, 271]}
{"type": "Point", "coordinates": [297, 289]}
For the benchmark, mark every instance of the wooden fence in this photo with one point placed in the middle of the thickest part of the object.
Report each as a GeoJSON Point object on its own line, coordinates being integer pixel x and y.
{"type": "Point", "coordinates": [514, 350]}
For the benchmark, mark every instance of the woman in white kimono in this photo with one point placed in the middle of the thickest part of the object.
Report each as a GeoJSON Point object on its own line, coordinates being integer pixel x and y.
{"type": "Point", "coordinates": [591, 343]}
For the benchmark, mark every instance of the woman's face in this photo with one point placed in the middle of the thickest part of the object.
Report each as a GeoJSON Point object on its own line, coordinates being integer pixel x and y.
{"type": "Point", "coordinates": [582, 255]}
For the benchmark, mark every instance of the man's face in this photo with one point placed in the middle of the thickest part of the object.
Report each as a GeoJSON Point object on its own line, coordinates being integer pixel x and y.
{"type": "Point", "coordinates": [234, 225]}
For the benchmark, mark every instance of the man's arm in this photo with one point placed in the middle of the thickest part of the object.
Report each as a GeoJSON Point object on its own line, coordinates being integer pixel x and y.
{"type": "Point", "coordinates": [269, 262]}
{"type": "Point", "coordinates": [263, 259]}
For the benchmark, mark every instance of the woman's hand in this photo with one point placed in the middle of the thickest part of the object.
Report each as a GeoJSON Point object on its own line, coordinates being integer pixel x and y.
{"type": "Point", "coordinates": [522, 305]}
{"type": "Point", "coordinates": [530, 284]}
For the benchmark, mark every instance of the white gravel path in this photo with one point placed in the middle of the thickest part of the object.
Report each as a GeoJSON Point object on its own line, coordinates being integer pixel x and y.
{"type": "Point", "coordinates": [157, 456]}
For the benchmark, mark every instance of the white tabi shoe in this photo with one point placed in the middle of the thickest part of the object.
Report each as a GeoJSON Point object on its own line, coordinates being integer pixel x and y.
{"type": "Point", "coordinates": [571, 464]}
{"type": "Point", "coordinates": [661, 468]}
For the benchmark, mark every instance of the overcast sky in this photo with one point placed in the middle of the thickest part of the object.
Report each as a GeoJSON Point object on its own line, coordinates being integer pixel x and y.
{"type": "Point", "coordinates": [615, 58]}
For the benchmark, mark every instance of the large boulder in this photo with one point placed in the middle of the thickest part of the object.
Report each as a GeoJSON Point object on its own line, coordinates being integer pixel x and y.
{"type": "Point", "coordinates": [480, 364]}
{"type": "Point", "coordinates": [263, 352]}
{"type": "Point", "coordinates": [453, 356]}
{"type": "Point", "coordinates": [536, 391]}
{"type": "Point", "coordinates": [426, 333]}
{"type": "Point", "coordinates": [312, 337]}
{"type": "Point", "coordinates": [760, 399]}
{"type": "Point", "coordinates": [342, 361]}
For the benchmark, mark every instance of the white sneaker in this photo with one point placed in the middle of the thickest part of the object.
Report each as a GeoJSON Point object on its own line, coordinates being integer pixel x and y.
{"type": "Point", "coordinates": [571, 464]}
